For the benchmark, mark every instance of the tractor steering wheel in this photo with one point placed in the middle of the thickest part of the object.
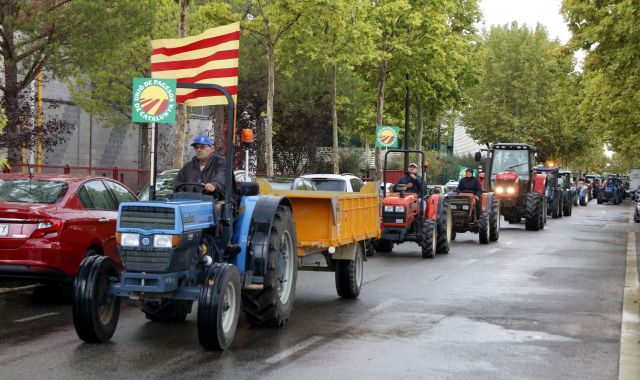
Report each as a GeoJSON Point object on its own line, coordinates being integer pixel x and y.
{"type": "Point", "coordinates": [189, 184]}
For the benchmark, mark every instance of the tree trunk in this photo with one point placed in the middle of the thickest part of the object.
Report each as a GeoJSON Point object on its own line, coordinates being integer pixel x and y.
{"type": "Point", "coordinates": [382, 76]}
{"type": "Point", "coordinates": [270, 94]}
{"type": "Point", "coordinates": [420, 127]}
{"type": "Point", "coordinates": [181, 116]}
{"type": "Point", "coordinates": [334, 113]}
{"type": "Point", "coordinates": [219, 122]}
{"type": "Point", "coordinates": [11, 103]}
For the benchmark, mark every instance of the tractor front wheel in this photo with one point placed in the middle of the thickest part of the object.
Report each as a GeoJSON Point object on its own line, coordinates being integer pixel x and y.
{"type": "Point", "coordinates": [483, 230]}
{"type": "Point", "coordinates": [428, 240]}
{"type": "Point", "coordinates": [494, 221]}
{"type": "Point", "coordinates": [533, 208]}
{"type": "Point", "coordinates": [95, 311]}
{"type": "Point", "coordinates": [219, 307]}
{"type": "Point", "coordinates": [445, 227]}
{"type": "Point", "coordinates": [567, 206]}
{"type": "Point", "coordinates": [271, 305]}
{"type": "Point", "coordinates": [555, 207]}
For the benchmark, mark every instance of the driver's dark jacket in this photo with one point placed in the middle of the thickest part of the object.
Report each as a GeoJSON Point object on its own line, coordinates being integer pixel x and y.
{"type": "Point", "coordinates": [406, 179]}
{"type": "Point", "coordinates": [470, 184]}
{"type": "Point", "coordinates": [214, 172]}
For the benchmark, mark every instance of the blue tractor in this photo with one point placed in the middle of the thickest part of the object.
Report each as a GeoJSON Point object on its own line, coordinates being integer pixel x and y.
{"type": "Point", "coordinates": [611, 191]}
{"type": "Point", "coordinates": [557, 195]}
{"type": "Point", "coordinates": [226, 254]}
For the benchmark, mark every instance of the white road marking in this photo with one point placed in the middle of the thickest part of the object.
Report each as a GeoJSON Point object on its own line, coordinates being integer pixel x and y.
{"type": "Point", "coordinates": [18, 289]}
{"type": "Point", "coordinates": [35, 317]}
{"type": "Point", "coordinates": [291, 351]}
{"type": "Point", "coordinates": [629, 365]}
{"type": "Point", "coordinates": [469, 262]}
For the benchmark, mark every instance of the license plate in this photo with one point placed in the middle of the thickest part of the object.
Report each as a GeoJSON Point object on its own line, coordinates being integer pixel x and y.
{"type": "Point", "coordinates": [4, 229]}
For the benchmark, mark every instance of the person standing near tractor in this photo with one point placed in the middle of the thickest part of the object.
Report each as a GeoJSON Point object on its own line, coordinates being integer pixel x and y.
{"type": "Point", "coordinates": [472, 184]}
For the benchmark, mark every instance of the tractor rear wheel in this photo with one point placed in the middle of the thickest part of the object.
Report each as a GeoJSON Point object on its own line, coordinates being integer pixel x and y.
{"type": "Point", "coordinates": [95, 311]}
{"type": "Point", "coordinates": [567, 206]}
{"type": "Point", "coordinates": [428, 240]}
{"type": "Point", "coordinates": [445, 226]}
{"type": "Point", "coordinates": [383, 245]}
{"type": "Point", "coordinates": [170, 311]}
{"type": "Point", "coordinates": [555, 206]}
{"type": "Point", "coordinates": [494, 221]}
{"type": "Point", "coordinates": [219, 307]}
{"type": "Point", "coordinates": [483, 230]}
{"type": "Point", "coordinates": [349, 275]}
{"type": "Point", "coordinates": [533, 209]}
{"type": "Point", "coordinates": [272, 305]}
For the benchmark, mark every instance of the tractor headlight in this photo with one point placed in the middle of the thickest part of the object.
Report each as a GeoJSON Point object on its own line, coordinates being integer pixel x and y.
{"type": "Point", "coordinates": [129, 240]}
{"type": "Point", "coordinates": [465, 207]}
{"type": "Point", "coordinates": [453, 207]}
{"type": "Point", "coordinates": [388, 208]}
{"type": "Point", "coordinates": [399, 208]}
{"type": "Point", "coordinates": [510, 190]}
{"type": "Point", "coordinates": [500, 190]}
{"type": "Point", "coordinates": [162, 241]}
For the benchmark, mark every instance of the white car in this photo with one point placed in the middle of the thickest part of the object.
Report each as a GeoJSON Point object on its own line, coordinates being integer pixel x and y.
{"type": "Point", "coordinates": [453, 185]}
{"type": "Point", "coordinates": [336, 182]}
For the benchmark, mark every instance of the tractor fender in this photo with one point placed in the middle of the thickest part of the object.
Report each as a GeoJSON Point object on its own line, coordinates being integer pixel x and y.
{"type": "Point", "coordinates": [540, 183]}
{"type": "Point", "coordinates": [259, 231]}
{"type": "Point", "coordinates": [487, 202]}
{"type": "Point", "coordinates": [433, 204]}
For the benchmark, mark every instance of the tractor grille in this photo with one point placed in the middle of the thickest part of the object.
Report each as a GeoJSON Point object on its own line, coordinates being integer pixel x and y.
{"type": "Point", "coordinates": [147, 218]}
{"type": "Point", "coordinates": [148, 261]}
{"type": "Point", "coordinates": [393, 217]}
{"type": "Point", "coordinates": [457, 206]}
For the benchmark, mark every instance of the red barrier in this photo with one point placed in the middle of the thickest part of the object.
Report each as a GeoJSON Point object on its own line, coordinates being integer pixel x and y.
{"type": "Point", "coordinates": [135, 179]}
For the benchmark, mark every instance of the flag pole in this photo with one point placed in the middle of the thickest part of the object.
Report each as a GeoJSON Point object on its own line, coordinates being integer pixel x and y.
{"type": "Point", "coordinates": [154, 167]}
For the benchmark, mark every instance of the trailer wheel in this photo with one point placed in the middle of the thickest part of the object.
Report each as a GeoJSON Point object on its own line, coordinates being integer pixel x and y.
{"type": "Point", "coordinates": [95, 311]}
{"type": "Point", "coordinates": [272, 305]}
{"type": "Point", "coordinates": [383, 245]}
{"type": "Point", "coordinates": [532, 218]}
{"type": "Point", "coordinates": [429, 239]}
{"type": "Point", "coordinates": [349, 275]}
{"type": "Point", "coordinates": [219, 307]}
{"type": "Point", "coordinates": [494, 221]}
{"type": "Point", "coordinates": [483, 230]}
{"type": "Point", "coordinates": [170, 311]}
{"type": "Point", "coordinates": [445, 227]}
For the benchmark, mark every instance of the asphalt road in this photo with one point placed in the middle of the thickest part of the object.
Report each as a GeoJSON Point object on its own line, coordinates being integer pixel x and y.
{"type": "Point", "coordinates": [534, 305]}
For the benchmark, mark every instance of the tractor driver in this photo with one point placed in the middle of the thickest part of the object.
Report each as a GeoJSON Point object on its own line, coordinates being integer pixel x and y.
{"type": "Point", "coordinates": [411, 179]}
{"type": "Point", "coordinates": [471, 183]}
{"type": "Point", "coordinates": [206, 167]}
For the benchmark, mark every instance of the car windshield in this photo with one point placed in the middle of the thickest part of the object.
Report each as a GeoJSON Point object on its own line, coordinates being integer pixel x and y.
{"type": "Point", "coordinates": [326, 184]}
{"type": "Point", "coordinates": [511, 159]}
{"type": "Point", "coordinates": [164, 187]}
{"type": "Point", "coordinates": [32, 191]}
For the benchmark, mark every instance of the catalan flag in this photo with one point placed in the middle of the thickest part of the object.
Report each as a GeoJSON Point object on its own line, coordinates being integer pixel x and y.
{"type": "Point", "coordinates": [211, 57]}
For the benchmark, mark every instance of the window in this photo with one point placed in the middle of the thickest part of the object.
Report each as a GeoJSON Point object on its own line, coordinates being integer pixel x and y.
{"type": "Point", "coordinates": [84, 198]}
{"type": "Point", "coordinates": [31, 191]}
{"type": "Point", "coordinates": [356, 184]}
{"type": "Point", "coordinates": [121, 194]}
{"type": "Point", "coordinates": [511, 159]}
{"type": "Point", "coordinates": [100, 197]}
{"type": "Point", "coordinates": [325, 184]}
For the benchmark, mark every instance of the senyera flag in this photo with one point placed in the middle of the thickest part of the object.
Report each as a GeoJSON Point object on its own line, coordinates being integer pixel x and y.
{"type": "Point", "coordinates": [211, 57]}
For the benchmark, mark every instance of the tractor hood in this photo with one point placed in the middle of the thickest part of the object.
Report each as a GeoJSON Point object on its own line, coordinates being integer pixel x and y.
{"type": "Point", "coordinates": [507, 184]}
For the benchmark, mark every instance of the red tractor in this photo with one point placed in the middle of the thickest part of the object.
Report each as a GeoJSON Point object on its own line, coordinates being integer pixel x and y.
{"type": "Point", "coordinates": [466, 218]}
{"type": "Point", "coordinates": [410, 216]}
{"type": "Point", "coordinates": [521, 192]}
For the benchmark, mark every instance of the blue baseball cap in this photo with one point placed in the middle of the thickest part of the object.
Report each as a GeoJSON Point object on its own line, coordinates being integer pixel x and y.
{"type": "Point", "coordinates": [202, 140]}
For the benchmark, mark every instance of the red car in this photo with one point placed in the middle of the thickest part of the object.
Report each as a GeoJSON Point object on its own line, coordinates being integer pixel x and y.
{"type": "Point", "coordinates": [49, 223]}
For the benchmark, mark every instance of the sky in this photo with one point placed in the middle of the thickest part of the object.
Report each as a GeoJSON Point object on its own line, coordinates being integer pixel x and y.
{"type": "Point", "coordinates": [530, 12]}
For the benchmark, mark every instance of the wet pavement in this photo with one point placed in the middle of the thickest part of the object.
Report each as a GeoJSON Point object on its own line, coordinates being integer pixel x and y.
{"type": "Point", "coordinates": [534, 305]}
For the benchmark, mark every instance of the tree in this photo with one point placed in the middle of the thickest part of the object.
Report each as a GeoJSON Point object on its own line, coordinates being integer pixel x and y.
{"type": "Point", "coordinates": [3, 122]}
{"type": "Point", "coordinates": [608, 31]}
{"type": "Point", "coordinates": [38, 35]}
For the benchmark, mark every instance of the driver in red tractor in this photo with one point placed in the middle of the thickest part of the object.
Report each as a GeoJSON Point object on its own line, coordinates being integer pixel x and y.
{"type": "Point", "coordinates": [411, 179]}
{"type": "Point", "coordinates": [471, 184]}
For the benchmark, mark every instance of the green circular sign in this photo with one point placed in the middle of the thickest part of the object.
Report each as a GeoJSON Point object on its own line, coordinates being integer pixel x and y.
{"type": "Point", "coordinates": [154, 100]}
{"type": "Point", "coordinates": [387, 137]}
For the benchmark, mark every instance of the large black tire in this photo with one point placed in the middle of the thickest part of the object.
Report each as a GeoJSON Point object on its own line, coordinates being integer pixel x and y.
{"type": "Point", "coordinates": [383, 245]}
{"type": "Point", "coordinates": [445, 227]}
{"type": "Point", "coordinates": [599, 200]}
{"type": "Point", "coordinates": [555, 206]}
{"type": "Point", "coordinates": [369, 249]}
{"type": "Point", "coordinates": [453, 235]}
{"type": "Point", "coordinates": [585, 200]}
{"type": "Point", "coordinates": [428, 240]}
{"type": "Point", "coordinates": [483, 233]}
{"type": "Point", "coordinates": [170, 311]}
{"type": "Point", "coordinates": [543, 213]}
{"type": "Point", "coordinates": [567, 206]}
{"type": "Point", "coordinates": [95, 311]}
{"type": "Point", "coordinates": [219, 307]}
{"type": "Point", "coordinates": [272, 305]}
{"type": "Point", "coordinates": [349, 275]}
{"type": "Point", "coordinates": [494, 221]}
{"type": "Point", "coordinates": [533, 208]}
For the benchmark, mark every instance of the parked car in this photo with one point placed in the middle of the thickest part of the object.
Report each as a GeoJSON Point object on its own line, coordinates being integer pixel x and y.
{"type": "Point", "coordinates": [299, 183]}
{"type": "Point", "coordinates": [452, 184]}
{"type": "Point", "coordinates": [336, 182]}
{"type": "Point", "coordinates": [49, 223]}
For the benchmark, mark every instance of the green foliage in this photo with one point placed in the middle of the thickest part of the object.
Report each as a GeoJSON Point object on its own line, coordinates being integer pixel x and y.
{"type": "Point", "coordinates": [609, 32]}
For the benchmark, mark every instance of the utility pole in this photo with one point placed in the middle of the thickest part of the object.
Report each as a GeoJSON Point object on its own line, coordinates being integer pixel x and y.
{"type": "Point", "coordinates": [406, 126]}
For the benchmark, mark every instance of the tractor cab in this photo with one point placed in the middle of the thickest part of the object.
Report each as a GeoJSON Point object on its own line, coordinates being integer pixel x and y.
{"type": "Point", "coordinates": [557, 197]}
{"type": "Point", "coordinates": [511, 177]}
